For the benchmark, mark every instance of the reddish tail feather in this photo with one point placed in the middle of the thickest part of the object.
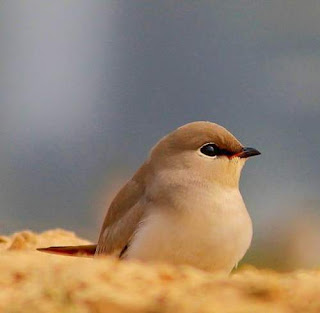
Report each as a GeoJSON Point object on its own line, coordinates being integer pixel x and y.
{"type": "Point", "coordinates": [84, 250]}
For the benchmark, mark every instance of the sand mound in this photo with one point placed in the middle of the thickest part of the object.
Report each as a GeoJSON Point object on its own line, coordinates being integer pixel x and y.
{"type": "Point", "coordinates": [31, 281]}
{"type": "Point", "coordinates": [28, 240]}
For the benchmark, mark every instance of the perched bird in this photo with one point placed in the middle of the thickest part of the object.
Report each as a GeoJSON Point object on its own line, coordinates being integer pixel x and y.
{"type": "Point", "coordinates": [183, 205]}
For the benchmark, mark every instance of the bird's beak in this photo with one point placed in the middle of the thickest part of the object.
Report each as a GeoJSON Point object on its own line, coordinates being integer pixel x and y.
{"type": "Point", "coordinates": [246, 153]}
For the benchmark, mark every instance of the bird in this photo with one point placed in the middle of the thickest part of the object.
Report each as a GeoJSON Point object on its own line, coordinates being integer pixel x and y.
{"type": "Point", "coordinates": [182, 206]}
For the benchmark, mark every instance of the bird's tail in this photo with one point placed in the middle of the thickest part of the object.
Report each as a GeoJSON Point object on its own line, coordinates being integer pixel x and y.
{"type": "Point", "coordinates": [83, 251]}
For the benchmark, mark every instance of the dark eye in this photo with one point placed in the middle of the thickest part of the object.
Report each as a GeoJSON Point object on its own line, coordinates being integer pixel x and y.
{"type": "Point", "coordinates": [210, 149]}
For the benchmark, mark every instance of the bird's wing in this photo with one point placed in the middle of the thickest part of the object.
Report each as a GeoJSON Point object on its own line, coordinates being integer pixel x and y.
{"type": "Point", "coordinates": [123, 216]}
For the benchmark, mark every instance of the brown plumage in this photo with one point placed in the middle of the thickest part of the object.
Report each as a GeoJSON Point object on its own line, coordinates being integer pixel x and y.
{"type": "Point", "coordinates": [176, 153]}
{"type": "Point", "coordinates": [83, 250]}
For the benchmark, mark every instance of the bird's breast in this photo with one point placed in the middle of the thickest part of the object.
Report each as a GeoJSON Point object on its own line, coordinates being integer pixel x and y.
{"type": "Point", "coordinates": [208, 231]}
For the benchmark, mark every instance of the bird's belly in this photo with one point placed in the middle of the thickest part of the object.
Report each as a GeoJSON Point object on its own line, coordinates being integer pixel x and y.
{"type": "Point", "coordinates": [209, 240]}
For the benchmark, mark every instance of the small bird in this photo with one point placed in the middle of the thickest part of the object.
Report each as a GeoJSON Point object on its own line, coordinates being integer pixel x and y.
{"type": "Point", "coordinates": [182, 206]}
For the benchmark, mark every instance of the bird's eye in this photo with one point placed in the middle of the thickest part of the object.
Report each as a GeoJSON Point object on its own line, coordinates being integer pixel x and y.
{"type": "Point", "coordinates": [210, 149]}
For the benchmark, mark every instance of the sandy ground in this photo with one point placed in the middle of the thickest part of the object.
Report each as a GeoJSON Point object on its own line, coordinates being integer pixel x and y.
{"type": "Point", "coordinates": [31, 281]}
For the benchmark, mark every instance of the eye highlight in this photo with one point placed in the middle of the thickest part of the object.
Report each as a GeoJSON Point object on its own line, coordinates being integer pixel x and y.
{"type": "Point", "coordinates": [210, 149]}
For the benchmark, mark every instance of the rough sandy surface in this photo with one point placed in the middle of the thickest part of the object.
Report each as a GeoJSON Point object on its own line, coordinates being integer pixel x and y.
{"type": "Point", "coordinates": [31, 281]}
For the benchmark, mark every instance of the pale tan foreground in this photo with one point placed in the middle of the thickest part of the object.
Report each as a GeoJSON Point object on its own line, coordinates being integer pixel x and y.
{"type": "Point", "coordinates": [34, 282]}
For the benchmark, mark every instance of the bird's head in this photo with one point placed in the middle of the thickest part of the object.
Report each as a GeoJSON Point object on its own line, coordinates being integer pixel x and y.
{"type": "Point", "coordinates": [205, 150]}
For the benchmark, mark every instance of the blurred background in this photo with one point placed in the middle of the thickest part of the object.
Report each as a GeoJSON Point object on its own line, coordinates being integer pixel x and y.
{"type": "Point", "coordinates": [87, 87]}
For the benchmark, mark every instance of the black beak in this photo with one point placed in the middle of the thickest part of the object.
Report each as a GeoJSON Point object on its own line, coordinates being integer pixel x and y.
{"type": "Point", "coordinates": [247, 152]}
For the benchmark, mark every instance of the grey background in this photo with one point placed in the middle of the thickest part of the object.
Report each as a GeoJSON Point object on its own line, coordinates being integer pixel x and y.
{"type": "Point", "coordinates": [86, 88]}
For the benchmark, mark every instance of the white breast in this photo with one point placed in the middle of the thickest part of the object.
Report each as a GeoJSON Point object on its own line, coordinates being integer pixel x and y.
{"type": "Point", "coordinates": [212, 234]}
